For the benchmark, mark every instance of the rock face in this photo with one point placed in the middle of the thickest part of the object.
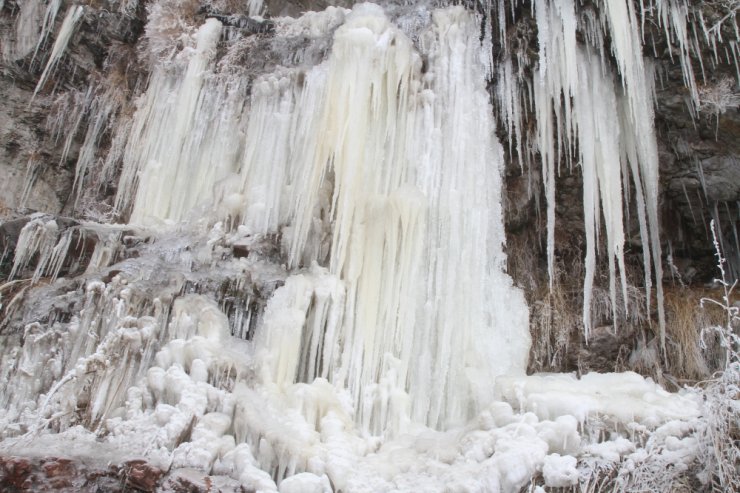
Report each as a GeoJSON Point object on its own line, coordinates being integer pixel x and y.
{"type": "Point", "coordinates": [700, 172]}
{"type": "Point", "coordinates": [44, 132]}
{"type": "Point", "coordinates": [42, 128]}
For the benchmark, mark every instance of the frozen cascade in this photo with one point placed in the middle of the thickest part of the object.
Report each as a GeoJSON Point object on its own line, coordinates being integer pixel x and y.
{"type": "Point", "coordinates": [390, 350]}
{"type": "Point", "coordinates": [402, 168]}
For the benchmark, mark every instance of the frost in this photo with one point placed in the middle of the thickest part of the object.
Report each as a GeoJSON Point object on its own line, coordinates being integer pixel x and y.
{"type": "Point", "coordinates": [717, 99]}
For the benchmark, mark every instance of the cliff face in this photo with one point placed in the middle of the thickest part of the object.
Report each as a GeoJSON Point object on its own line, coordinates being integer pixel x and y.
{"type": "Point", "coordinates": [58, 134]}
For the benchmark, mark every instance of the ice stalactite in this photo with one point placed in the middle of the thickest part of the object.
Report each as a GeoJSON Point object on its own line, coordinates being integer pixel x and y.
{"type": "Point", "coordinates": [688, 32]}
{"type": "Point", "coordinates": [598, 136]}
{"type": "Point", "coordinates": [74, 14]}
{"type": "Point", "coordinates": [154, 162]}
{"type": "Point", "coordinates": [26, 33]}
{"type": "Point", "coordinates": [367, 120]}
{"type": "Point", "coordinates": [557, 76]}
{"type": "Point", "coordinates": [638, 86]}
{"type": "Point", "coordinates": [40, 240]}
{"type": "Point", "coordinates": [674, 17]}
{"type": "Point", "coordinates": [460, 182]}
{"type": "Point", "coordinates": [101, 105]}
{"type": "Point", "coordinates": [511, 103]}
{"type": "Point", "coordinates": [578, 110]}
{"type": "Point", "coordinates": [52, 9]}
{"type": "Point", "coordinates": [255, 7]}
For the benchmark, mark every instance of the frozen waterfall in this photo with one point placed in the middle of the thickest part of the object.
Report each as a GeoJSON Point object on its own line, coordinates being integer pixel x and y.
{"type": "Point", "coordinates": [387, 176]}
{"type": "Point", "coordinates": [307, 289]}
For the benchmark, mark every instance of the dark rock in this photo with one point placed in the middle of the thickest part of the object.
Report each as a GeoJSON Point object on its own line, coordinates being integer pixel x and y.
{"type": "Point", "coordinates": [607, 350]}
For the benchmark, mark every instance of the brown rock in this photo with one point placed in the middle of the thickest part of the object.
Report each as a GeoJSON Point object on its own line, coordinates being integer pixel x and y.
{"type": "Point", "coordinates": [142, 475]}
{"type": "Point", "coordinates": [60, 473]}
{"type": "Point", "coordinates": [15, 473]}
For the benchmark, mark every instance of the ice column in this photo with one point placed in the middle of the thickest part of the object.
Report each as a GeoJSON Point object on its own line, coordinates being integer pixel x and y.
{"type": "Point", "coordinates": [157, 160]}
{"type": "Point", "coordinates": [429, 318]}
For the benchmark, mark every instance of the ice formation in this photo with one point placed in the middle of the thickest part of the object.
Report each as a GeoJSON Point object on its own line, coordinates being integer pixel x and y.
{"type": "Point", "coordinates": [26, 36]}
{"type": "Point", "coordinates": [74, 14]}
{"type": "Point", "coordinates": [369, 339]}
{"type": "Point", "coordinates": [623, 26]}
{"type": "Point", "coordinates": [393, 173]}
{"type": "Point", "coordinates": [608, 129]}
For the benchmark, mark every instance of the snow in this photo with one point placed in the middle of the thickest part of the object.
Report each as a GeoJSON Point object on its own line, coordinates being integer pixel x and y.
{"type": "Point", "coordinates": [560, 472]}
{"type": "Point", "coordinates": [623, 397]}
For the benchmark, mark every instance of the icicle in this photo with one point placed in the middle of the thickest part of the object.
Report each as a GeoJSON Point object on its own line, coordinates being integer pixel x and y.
{"type": "Point", "coordinates": [599, 140]}
{"type": "Point", "coordinates": [563, 92]}
{"type": "Point", "coordinates": [66, 118]}
{"type": "Point", "coordinates": [673, 16]}
{"type": "Point", "coordinates": [105, 253]}
{"type": "Point", "coordinates": [26, 31]}
{"type": "Point", "coordinates": [638, 83]}
{"type": "Point", "coordinates": [74, 14]}
{"type": "Point", "coordinates": [255, 7]}
{"type": "Point", "coordinates": [101, 114]}
{"type": "Point", "coordinates": [49, 17]}
{"type": "Point", "coordinates": [511, 107]}
{"type": "Point", "coordinates": [32, 169]}
{"type": "Point", "coordinates": [42, 238]}
{"type": "Point", "coordinates": [557, 75]}
{"type": "Point", "coordinates": [291, 353]}
{"type": "Point", "coordinates": [37, 236]}
{"type": "Point", "coordinates": [161, 131]}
